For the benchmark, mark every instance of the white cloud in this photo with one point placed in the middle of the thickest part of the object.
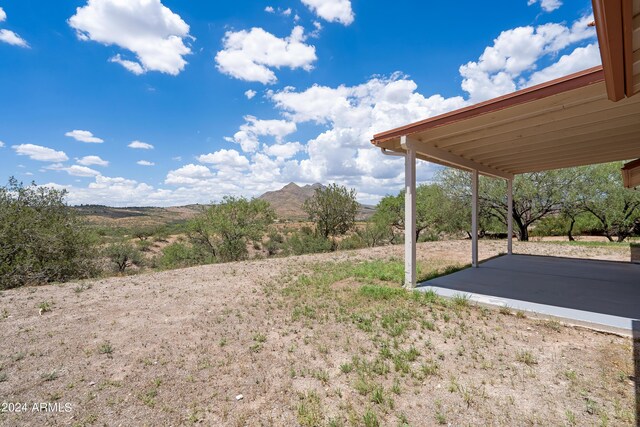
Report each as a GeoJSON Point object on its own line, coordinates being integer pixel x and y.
{"type": "Point", "coordinates": [8, 36]}
{"type": "Point", "coordinates": [40, 153]}
{"type": "Point", "coordinates": [580, 59]}
{"type": "Point", "coordinates": [249, 134]}
{"type": "Point", "coordinates": [547, 5]}
{"type": "Point", "coordinates": [386, 101]}
{"type": "Point", "coordinates": [150, 30]}
{"type": "Point", "coordinates": [515, 52]}
{"type": "Point", "coordinates": [250, 94]}
{"type": "Point", "coordinates": [145, 163]}
{"type": "Point", "coordinates": [188, 175]}
{"type": "Point", "coordinates": [140, 145]}
{"type": "Point", "coordinates": [84, 136]}
{"type": "Point", "coordinates": [317, 28]}
{"type": "Point", "coordinates": [341, 153]}
{"type": "Point", "coordinates": [225, 158]}
{"type": "Point", "coordinates": [1, 144]}
{"type": "Point", "coordinates": [251, 55]}
{"type": "Point", "coordinates": [132, 66]}
{"type": "Point", "coordinates": [283, 12]}
{"type": "Point", "coordinates": [82, 171]}
{"type": "Point", "coordinates": [332, 10]}
{"type": "Point", "coordinates": [283, 151]}
{"type": "Point", "coordinates": [119, 191]}
{"type": "Point", "coordinates": [113, 192]}
{"type": "Point", "coordinates": [91, 161]}
{"type": "Point", "coordinates": [345, 118]}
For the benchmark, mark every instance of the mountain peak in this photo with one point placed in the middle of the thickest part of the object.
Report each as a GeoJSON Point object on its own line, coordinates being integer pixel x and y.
{"type": "Point", "coordinates": [288, 201]}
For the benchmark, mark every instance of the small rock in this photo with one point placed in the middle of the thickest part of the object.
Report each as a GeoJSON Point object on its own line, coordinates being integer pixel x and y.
{"type": "Point", "coordinates": [92, 383]}
{"type": "Point", "coordinates": [239, 397]}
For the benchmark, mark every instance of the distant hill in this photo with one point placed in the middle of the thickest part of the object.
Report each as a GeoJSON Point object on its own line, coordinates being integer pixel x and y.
{"type": "Point", "coordinates": [288, 201]}
{"type": "Point", "coordinates": [136, 216]}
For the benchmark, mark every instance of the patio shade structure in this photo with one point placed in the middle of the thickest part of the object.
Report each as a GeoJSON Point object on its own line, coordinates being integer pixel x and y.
{"type": "Point", "coordinates": [618, 28]}
{"type": "Point", "coordinates": [631, 174]}
{"type": "Point", "coordinates": [585, 118]}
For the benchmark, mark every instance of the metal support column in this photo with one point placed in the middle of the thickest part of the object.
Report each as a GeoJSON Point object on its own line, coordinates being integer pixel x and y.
{"type": "Point", "coordinates": [409, 214]}
{"type": "Point", "coordinates": [474, 218]}
{"type": "Point", "coordinates": [510, 216]}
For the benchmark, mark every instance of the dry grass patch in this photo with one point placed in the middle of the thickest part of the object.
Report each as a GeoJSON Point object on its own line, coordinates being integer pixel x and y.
{"type": "Point", "coordinates": [322, 340]}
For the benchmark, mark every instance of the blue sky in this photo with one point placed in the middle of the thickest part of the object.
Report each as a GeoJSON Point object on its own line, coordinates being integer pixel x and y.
{"type": "Point", "coordinates": [149, 102]}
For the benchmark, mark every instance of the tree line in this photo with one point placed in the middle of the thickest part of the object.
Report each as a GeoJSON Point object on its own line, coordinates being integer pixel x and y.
{"type": "Point", "coordinates": [42, 240]}
{"type": "Point", "coordinates": [589, 199]}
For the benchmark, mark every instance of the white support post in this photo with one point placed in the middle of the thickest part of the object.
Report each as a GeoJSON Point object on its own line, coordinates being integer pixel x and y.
{"type": "Point", "coordinates": [409, 214]}
{"type": "Point", "coordinates": [510, 216]}
{"type": "Point", "coordinates": [474, 218]}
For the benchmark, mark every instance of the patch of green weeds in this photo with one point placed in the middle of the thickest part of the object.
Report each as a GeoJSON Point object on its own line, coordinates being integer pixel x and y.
{"type": "Point", "coordinates": [310, 412]}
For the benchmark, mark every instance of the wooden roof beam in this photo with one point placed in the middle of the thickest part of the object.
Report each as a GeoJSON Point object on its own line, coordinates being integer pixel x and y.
{"type": "Point", "coordinates": [631, 174]}
{"type": "Point", "coordinates": [609, 26]}
{"type": "Point", "coordinates": [446, 157]}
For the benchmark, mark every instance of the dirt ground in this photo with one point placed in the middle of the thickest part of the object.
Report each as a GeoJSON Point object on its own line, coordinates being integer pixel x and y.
{"type": "Point", "coordinates": [301, 341]}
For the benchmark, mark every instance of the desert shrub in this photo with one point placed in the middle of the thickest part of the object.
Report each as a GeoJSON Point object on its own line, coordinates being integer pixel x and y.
{"type": "Point", "coordinates": [123, 255]}
{"type": "Point", "coordinates": [144, 245]}
{"type": "Point", "coordinates": [429, 236]}
{"type": "Point", "coordinates": [41, 239]}
{"type": "Point", "coordinates": [143, 233]}
{"type": "Point", "coordinates": [305, 229]}
{"type": "Point", "coordinates": [225, 229]}
{"type": "Point", "coordinates": [376, 232]}
{"type": "Point", "coordinates": [275, 243]}
{"type": "Point", "coordinates": [558, 225]}
{"type": "Point", "coordinates": [352, 242]}
{"type": "Point", "coordinates": [162, 235]}
{"type": "Point", "coordinates": [179, 254]}
{"type": "Point", "coordinates": [302, 243]}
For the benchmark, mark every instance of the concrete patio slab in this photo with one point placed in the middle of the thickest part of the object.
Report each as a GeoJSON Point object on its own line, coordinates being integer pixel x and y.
{"type": "Point", "coordinates": [591, 292]}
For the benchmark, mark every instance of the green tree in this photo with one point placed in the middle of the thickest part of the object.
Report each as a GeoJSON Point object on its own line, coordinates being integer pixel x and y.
{"type": "Point", "coordinates": [377, 231]}
{"type": "Point", "coordinates": [535, 196]}
{"type": "Point", "coordinates": [124, 255]}
{"type": "Point", "coordinates": [41, 239]}
{"type": "Point", "coordinates": [225, 229]}
{"type": "Point", "coordinates": [571, 208]}
{"type": "Point", "coordinates": [143, 233]}
{"type": "Point", "coordinates": [602, 194]}
{"type": "Point", "coordinates": [436, 211]}
{"type": "Point", "coordinates": [390, 212]}
{"type": "Point", "coordinates": [333, 209]}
